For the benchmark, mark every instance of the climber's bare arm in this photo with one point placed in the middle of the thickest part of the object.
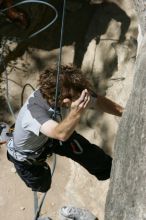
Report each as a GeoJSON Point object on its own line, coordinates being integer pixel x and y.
{"type": "Point", "coordinates": [106, 105]}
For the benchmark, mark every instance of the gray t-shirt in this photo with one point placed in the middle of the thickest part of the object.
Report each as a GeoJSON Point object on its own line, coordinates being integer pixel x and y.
{"type": "Point", "coordinates": [27, 137]}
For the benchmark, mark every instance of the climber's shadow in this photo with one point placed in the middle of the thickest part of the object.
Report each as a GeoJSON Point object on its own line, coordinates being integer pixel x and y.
{"type": "Point", "coordinates": [81, 26]}
{"type": "Point", "coordinates": [103, 14]}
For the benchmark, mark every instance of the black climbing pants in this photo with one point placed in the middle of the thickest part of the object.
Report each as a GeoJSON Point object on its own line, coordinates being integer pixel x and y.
{"type": "Point", "coordinates": [37, 175]}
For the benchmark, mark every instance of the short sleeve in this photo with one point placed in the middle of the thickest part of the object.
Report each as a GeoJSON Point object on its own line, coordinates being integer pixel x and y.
{"type": "Point", "coordinates": [31, 124]}
{"type": "Point", "coordinates": [33, 118]}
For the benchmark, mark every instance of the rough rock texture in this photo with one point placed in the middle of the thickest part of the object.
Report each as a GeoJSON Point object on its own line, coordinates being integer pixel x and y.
{"type": "Point", "coordinates": [101, 39]}
{"type": "Point", "coordinates": [126, 198]}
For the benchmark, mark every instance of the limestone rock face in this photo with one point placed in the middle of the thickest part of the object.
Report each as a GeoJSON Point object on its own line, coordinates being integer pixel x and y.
{"type": "Point", "coordinates": [127, 193]}
{"type": "Point", "coordinates": [126, 198]}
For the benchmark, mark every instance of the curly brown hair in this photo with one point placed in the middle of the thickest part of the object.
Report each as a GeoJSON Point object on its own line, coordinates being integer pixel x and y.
{"type": "Point", "coordinates": [71, 82]}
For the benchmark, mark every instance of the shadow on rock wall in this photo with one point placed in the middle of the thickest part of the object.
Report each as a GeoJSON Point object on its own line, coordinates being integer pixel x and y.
{"type": "Point", "coordinates": [81, 26]}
